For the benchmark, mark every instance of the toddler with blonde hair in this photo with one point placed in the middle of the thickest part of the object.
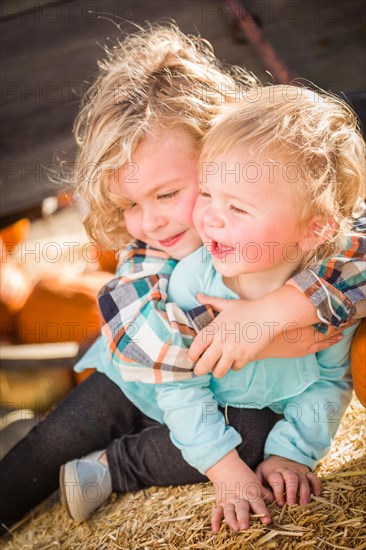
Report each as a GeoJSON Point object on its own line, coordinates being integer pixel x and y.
{"type": "Point", "coordinates": [282, 173]}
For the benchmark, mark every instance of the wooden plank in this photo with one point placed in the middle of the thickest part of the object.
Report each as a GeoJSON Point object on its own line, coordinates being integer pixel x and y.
{"type": "Point", "coordinates": [40, 351]}
{"type": "Point", "coordinates": [39, 356]}
{"type": "Point", "coordinates": [14, 8]}
{"type": "Point", "coordinates": [49, 53]}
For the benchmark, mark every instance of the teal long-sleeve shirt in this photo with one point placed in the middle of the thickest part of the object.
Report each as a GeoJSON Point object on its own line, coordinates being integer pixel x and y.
{"type": "Point", "coordinates": [312, 392]}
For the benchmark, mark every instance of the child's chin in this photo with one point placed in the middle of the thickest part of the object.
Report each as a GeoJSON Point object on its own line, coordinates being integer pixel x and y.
{"type": "Point", "coordinates": [185, 251]}
{"type": "Point", "coordinates": [224, 267]}
{"type": "Point", "coordinates": [227, 268]}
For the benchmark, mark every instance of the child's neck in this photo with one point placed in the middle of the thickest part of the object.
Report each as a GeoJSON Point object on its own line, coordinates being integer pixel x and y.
{"type": "Point", "coordinates": [252, 286]}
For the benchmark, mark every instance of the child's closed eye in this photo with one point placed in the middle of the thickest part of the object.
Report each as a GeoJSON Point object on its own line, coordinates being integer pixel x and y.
{"type": "Point", "coordinates": [204, 193]}
{"type": "Point", "coordinates": [237, 210]}
{"type": "Point", "coordinates": [169, 195]}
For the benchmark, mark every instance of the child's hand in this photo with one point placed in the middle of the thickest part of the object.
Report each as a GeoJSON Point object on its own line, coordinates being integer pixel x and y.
{"type": "Point", "coordinates": [240, 334]}
{"type": "Point", "coordinates": [236, 509]}
{"type": "Point", "coordinates": [221, 346]}
{"type": "Point", "coordinates": [285, 476]}
{"type": "Point", "coordinates": [238, 491]}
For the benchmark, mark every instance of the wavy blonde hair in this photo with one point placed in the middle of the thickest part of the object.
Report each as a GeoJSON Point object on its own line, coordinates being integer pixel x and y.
{"type": "Point", "coordinates": [317, 131]}
{"type": "Point", "coordinates": [156, 76]}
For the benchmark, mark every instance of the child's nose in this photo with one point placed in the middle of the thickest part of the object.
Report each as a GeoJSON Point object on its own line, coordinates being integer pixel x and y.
{"type": "Point", "coordinates": [212, 218]}
{"type": "Point", "coordinates": [152, 220]}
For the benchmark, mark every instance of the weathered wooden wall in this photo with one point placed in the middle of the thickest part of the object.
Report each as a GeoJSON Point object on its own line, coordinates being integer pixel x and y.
{"type": "Point", "coordinates": [49, 51]}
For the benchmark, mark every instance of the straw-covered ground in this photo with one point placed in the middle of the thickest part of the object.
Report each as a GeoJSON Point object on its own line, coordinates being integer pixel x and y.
{"type": "Point", "coordinates": [179, 518]}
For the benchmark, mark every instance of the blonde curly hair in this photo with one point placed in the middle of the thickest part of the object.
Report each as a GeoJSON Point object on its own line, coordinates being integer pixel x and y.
{"type": "Point", "coordinates": [156, 76]}
{"type": "Point", "coordinates": [312, 129]}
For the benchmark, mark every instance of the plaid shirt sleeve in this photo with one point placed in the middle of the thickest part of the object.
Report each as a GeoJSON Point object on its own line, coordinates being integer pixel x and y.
{"type": "Point", "coordinates": [337, 287]}
{"type": "Point", "coordinates": [147, 338]}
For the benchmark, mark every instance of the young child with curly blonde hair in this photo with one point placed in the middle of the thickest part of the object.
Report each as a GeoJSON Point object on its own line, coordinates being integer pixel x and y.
{"type": "Point", "coordinates": [139, 136]}
{"type": "Point", "coordinates": [282, 171]}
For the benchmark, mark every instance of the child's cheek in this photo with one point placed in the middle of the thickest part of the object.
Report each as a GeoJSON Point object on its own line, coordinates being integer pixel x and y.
{"type": "Point", "coordinates": [133, 226]}
{"type": "Point", "coordinates": [197, 216]}
{"type": "Point", "coordinates": [186, 209]}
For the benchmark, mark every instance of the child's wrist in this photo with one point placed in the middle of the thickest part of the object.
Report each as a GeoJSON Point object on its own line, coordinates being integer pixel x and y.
{"type": "Point", "coordinates": [214, 473]}
{"type": "Point", "coordinates": [284, 306]}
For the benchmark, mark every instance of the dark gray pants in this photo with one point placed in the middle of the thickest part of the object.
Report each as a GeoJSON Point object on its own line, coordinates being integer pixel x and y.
{"type": "Point", "coordinates": [97, 415]}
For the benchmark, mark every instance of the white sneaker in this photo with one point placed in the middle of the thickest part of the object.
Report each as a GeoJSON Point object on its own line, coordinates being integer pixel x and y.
{"type": "Point", "coordinates": [85, 484]}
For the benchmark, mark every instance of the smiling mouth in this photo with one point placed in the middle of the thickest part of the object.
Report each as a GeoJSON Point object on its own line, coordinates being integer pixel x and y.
{"type": "Point", "coordinates": [220, 249]}
{"type": "Point", "coordinates": [172, 240]}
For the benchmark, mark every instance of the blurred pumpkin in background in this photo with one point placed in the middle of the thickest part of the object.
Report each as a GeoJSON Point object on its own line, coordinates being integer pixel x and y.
{"type": "Point", "coordinates": [98, 257]}
{"type": "Point", "coordinates": [358, 362]}
{"type": "Point", "coordinates": [39, 307]}
{"type": "Point", "coordinates": [15, 282]}
{"type": "Point", "coordinates": [108, 260]}
{"type": "Point", "coordinates": [14, 234]}
{"type": "Point", "coordinates": [62, 308]}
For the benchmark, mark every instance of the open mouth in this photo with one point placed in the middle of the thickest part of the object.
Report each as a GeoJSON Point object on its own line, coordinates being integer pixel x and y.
{"type": "Point", "coordinates": [172, 240]}
{"type": "Point", "coordinates": [220, 249]}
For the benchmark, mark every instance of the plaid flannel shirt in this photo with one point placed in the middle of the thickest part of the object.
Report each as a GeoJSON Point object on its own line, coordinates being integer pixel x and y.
{"type": "Point", "coordinates": [337, 286]}
{"type": "Point", "coordinates": [147, 338]}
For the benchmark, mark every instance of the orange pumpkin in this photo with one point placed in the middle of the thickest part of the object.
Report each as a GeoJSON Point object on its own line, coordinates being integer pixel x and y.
{"type": "Point", "coordinates": [108, 260]}
{"type": "Point", "coordinates": [15, 287]}
{"type": "Point", "coordinates": [99, 258]}
{"type": "Point", "coordinates": [358, 362]}
{"type": "Point", "coordinates": [15, 234]}
{"type": "Point", "coordinates": [8, 326]}
{"type": "Point", "coordinates": [81, 376]}
{"type": "Point", "coordinates": [61, 308]}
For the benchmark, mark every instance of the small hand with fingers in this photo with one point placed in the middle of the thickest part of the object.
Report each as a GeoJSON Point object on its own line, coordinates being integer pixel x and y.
{"type": "Point", "coordinates": [238, 492]}
{"type": "Point", "coordinates": [236, 509]}
{"type": "Point", "coordinates": [291, 482]}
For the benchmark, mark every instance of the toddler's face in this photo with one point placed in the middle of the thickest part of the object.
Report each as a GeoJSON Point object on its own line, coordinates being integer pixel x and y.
{"type": "Point", "coordinates": [160, 188]}
{"type": "Point", "coordinates": [246, 215]}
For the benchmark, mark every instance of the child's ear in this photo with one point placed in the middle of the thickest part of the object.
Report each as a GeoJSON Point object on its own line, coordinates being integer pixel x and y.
{"type": "Point", "coordinates": [317, 231]}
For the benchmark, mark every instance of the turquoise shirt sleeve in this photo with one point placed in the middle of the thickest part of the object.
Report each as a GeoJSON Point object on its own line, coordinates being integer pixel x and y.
{"type": "Point", "coordinates": [197, 426]}
{"type": "Point", "coordinates": [312, 418]}
{"type": "Point", "coordinates": [96, 357]}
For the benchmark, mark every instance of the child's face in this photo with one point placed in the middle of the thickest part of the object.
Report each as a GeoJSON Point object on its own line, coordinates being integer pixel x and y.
{"type": "Point", "coordinates": [248, 219]}
{"type": "Point", "coordinates": [160, 188]}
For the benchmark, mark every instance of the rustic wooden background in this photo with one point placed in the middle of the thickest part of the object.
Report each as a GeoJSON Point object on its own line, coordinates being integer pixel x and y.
{"type": "Point", "coordinates": [49, 50]}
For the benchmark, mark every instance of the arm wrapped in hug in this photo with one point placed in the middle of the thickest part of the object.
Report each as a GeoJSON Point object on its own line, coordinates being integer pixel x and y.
{"type": "Point", "coordinates": [337, 286]}
{"type": "Point", "coordinates": [147, 338]}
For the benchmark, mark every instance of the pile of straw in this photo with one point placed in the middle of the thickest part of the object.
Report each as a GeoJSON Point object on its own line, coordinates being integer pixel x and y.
{"type": "Point", "coordinates": [179, 517]}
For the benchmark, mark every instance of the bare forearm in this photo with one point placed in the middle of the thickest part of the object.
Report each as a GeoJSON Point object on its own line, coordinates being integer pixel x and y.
{"type": "Point", "coordinates": [230, 475]}
{"type": "Point", "coordinates": [223, 466]}
{"type": "Point", "coordinates": [273, 315]}
{"type": "Point", "coordinates": [285, 308]}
